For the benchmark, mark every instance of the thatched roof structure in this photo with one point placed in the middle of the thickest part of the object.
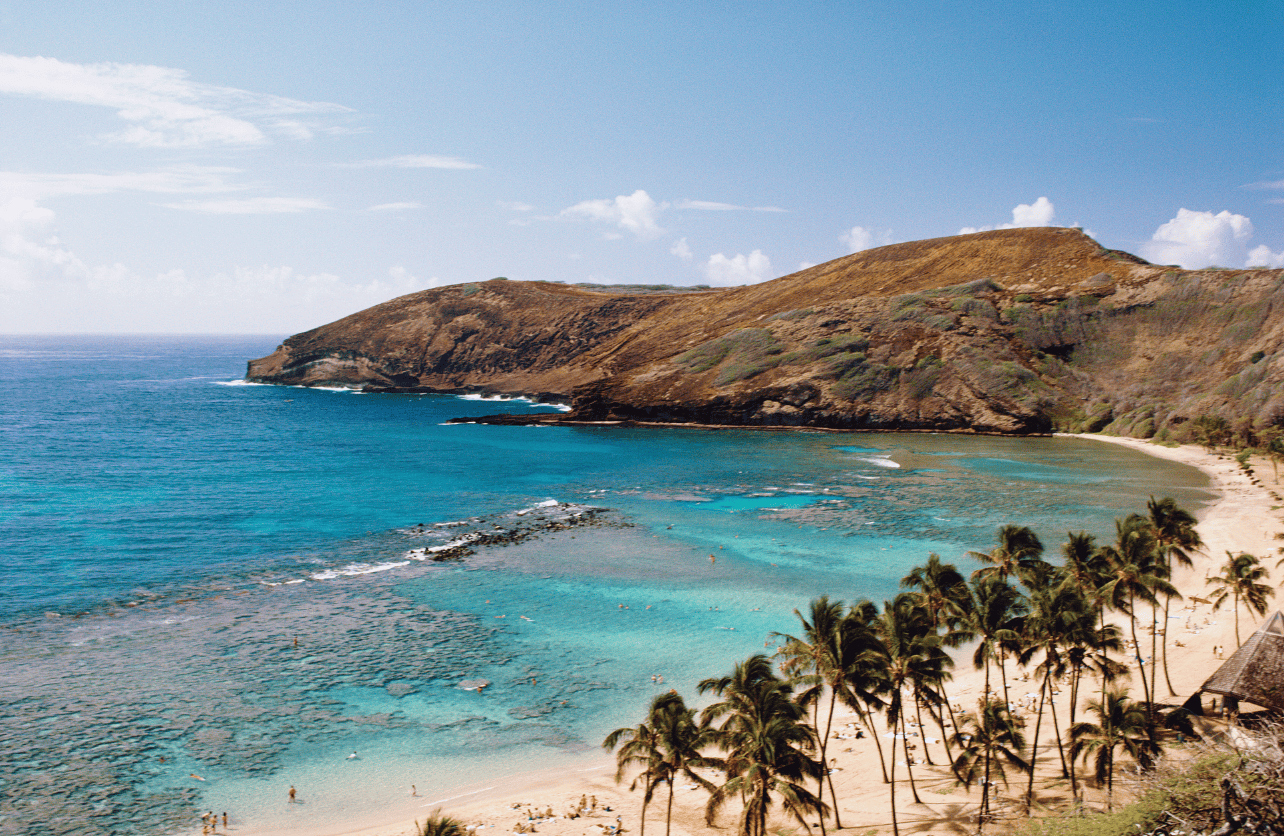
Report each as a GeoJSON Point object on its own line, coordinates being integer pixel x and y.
{"type": "Point", "coordinates": [1255, 672]}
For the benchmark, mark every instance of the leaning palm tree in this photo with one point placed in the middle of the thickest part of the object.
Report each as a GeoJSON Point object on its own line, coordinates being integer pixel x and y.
{"type": "Point", "coordinates": [913, 662]}
{"type": "Point", "coordinates": [830, 647]}
{"type": "Point", "coordinates": [865, 677]}
{"type": "Point", "coordinates": [767, 746]}
{"type": "Point", "coordinates": [639, 746]}
{"type": "Point", "coordinates": [995, 617]}
{"type": "Point", "coordinates": [1122, 724]}
{"type": "Point", "coordinates": [943, 593]}
{"type": "Point", "coordinates": [680, 740]}
{"type": "Point", "coordinates": [1134, 573]}
{"type": "Point", "coordinates": [1176, 537]}
{"type": "Point", "coordinates": [989, 739]}
{"type": "Point", "coordinates": [1239, 578]}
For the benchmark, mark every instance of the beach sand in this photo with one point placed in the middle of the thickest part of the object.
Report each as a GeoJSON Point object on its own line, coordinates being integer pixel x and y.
{"type": "Point", "coordinates": [1245, 516]}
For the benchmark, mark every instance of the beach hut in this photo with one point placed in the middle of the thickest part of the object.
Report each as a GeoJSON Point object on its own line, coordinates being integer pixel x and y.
{"type": "Point", "coordinates": [1255, 673]}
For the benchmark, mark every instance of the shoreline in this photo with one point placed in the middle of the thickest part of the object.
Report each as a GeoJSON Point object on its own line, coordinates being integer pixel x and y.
{"type": "Point", "coordinates": [1242, 516]}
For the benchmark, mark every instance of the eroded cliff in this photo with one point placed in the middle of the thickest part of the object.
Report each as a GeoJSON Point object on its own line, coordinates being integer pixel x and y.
{"type": "Point", "coordinates": [1012, 331]}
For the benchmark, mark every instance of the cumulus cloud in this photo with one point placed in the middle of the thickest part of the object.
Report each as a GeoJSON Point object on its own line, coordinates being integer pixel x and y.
{"type": "Point", "coordinates": [737, 270]}
{"type": "Point", "coordinates": [251, 206]}
{"type": "Point", "coordinates": [1200, 239]}
{"type": "Point", "coordinates": [681, 250]}
{"type": "Point", "coordinates": [414, 161]}
{"type": "Point", "coordinates": [1261, 256]}
{"type": "Point", "coordinates": [45, 287]}
{"type": "Point", "coordinates": [161, 106]}
{"type": "Point", "coordinates": [1039, 213]}
{"type": "Point", "coordinates": [859, 238]}
{"type": "Point", "coordinates": [636, 213]}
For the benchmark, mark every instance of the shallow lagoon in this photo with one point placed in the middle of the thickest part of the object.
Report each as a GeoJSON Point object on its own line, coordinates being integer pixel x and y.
{"type": "Point", "coordinates": [185, 532]}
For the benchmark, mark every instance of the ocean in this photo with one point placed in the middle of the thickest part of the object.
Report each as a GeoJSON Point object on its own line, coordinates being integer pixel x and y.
{"type": "Point", "coordinates": [214, 590]}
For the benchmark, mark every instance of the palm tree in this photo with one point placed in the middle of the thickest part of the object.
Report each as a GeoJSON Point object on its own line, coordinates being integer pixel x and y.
{"type": "Point", "coordinates": [639, 746]}
{"type": "Point", "coordinates": [831, 646]}
{"type": "Point", "coordinates": [1054, 610]}
{"type": "Point", "coordinates": [865, 677]}
{"type": "Point", "coordinates": [680, 739]}
{"type": "Point", "coordinates": [943, 593]}
{"type": "Point", "coordinates": [988, 739]}
{"type": "Point", "coordinates": [1122, 723]}
{"type": "Point", "coordinates": [1239, 578]}
{"type": "Point", "coordinates": [1135, 573]}
{"type": "Point", "coordinates": [913, 660]}
{"type": "Point", "coordinates": [438, 824]}
{"type": "Point", "coordinates": [767, 746]}
{"type": "Point", "coordinates": [1175, 536]}
{"type": "Point", "coordinates": [1020, 554]}
{"type": "Point", "coordinates": [996, 614]}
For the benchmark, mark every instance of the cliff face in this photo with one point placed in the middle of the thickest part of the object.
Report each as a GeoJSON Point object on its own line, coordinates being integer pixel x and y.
{"type": "Point", "coordinates": [1012, 331]}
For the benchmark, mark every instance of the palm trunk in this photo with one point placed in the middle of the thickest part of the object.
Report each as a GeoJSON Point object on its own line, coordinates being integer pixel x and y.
{"type": "Point", "coordinates": [1136, 647]}
{"type": "Point", "coordinates": [1172, 692]}
{"type": "Point", "coordinates": [1237, 641]}
{"type": "Point", "coordinates": [918, 715]}
{"type": "Point", "coordinates": [668, 813]}
{"type": "Point", "coordinates": [1003, 674]}
{"type": "Point", "coordinates": [1154, 645]}
{"type": "Point", "coordinates": [1034, 741]}
{"type": "Point", "coordinates": [938, 714]}
{"type": "Point", "coordinates": [869, 724]}
{"type": "Point", "coordinates": [985, 791]}
{"type": "Point", "coordinates": [646, 797]}
{"type": "Point", "coordinates": [909, 761]}
{"type": "Point", "coordinates": [824, 767]}
{"type": "Point", "coordinates": [829, 724]}
{"type": "Point", "coordinates": [896, 830]}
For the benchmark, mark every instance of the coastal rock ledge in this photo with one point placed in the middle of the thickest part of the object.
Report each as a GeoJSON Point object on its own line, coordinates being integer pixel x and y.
{"type": "Point", "coordinates": [1013, 331]}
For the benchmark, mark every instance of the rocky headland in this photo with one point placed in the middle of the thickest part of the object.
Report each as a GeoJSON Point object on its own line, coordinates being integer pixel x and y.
{"type": "Point", "coordinates": [1011, 331]}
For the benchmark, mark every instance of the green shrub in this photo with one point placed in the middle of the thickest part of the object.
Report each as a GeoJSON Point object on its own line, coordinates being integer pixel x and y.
{"type": "Point", "coordinates": [743, 354]}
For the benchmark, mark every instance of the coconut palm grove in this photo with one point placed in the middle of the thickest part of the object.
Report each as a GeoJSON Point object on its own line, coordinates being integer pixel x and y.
{"type": "Point", "coordinates": [761, 747]}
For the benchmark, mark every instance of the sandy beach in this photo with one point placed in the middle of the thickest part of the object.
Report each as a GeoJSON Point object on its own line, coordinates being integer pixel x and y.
{"type": "Point", "coordinates": [1244, 516]}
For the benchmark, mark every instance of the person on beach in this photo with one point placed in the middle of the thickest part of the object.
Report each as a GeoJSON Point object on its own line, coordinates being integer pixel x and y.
{"type": "Point", "coordinates": [292, 793]}
{"type": "Point", "coordinates": [225, 821]}
{"type": "Point", "coordinates": [413, 791]}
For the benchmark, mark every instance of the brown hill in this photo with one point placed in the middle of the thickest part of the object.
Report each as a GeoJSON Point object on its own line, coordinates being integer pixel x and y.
{"type": "Point", "coordinates": [1013, 331]}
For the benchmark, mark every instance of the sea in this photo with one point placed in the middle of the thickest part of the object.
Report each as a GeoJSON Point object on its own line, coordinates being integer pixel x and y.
{"type": "Point", "coordinates": [213, 591]}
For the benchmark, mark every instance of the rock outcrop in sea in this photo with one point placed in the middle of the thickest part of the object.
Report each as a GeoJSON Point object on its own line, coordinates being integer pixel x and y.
{"type": "Point", "coordinates": [1011, 331]}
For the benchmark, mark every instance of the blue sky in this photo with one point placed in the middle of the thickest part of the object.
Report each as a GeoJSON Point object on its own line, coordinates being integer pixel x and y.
{"type": "Point", "coordinates": [267, 167]}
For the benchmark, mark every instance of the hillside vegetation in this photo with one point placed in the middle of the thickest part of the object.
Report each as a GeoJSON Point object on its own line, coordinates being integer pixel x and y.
{"type": "Point", "coordinates": [1010, 331]}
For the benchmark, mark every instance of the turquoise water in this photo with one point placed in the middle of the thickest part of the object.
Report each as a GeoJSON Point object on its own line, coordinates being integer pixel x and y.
{"type": "Point", "coordinates": [171, 533]}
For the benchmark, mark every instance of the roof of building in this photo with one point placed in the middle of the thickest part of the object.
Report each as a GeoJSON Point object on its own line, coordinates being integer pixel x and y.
{"type": "Point", "coordinates": [1255, 672]}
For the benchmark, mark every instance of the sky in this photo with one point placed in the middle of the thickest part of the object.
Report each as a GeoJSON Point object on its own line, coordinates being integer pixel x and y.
{"type": "Point", "coordinates": [266, 167]}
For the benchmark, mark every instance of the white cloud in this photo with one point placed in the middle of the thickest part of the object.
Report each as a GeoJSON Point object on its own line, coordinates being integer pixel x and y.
{"type": "Point", "coordinates": [1039, 213]}
{"type": "Point", "coordinates": [1201, 239]}
{"type": "Point", "coordinates": [803, 265]}
{"type": "Point", "coordinates": [681, 250]}
{"type": "Point", "coordinates": [44, 287]}
{"type": "Point", "coordinates": [859, 238]}
{"type": "Point", "coordinates": [1261, 256]}
{"type": "Point", "coordinates": [171, 180]}
{"type": "Point", "coordinates": [251, 206]}
{"type": "Point", "coordinates": [414, 161]}
{"type": "Point", "coordinates": [161, 106]}
{"type": "Point", "coordinates": [738, 270]}
{"type": "Point", "coordinates": [712, 206]}
{"type": "Point", "coordinates": [390, 207]}
{"type": "Point", "coordinates": [636, 213]}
